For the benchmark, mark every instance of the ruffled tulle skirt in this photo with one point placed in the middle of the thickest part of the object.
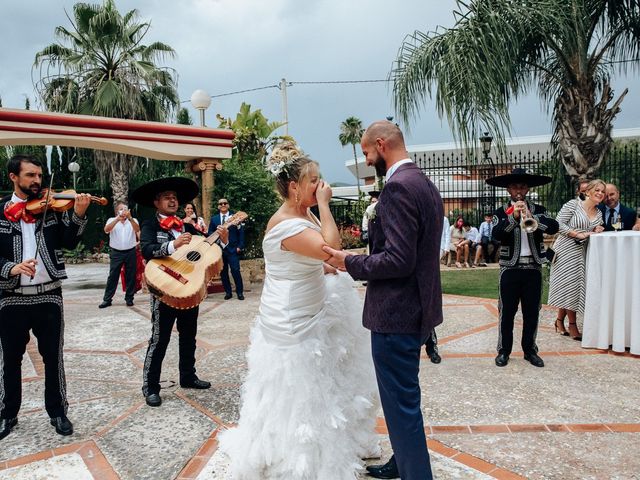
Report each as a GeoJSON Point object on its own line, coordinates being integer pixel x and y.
{"type": "Point", "coordinates": [308, 409]}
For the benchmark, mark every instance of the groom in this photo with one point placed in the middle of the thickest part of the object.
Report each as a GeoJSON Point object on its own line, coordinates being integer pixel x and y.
{"type": "Point", "coordinates": [404, 300]}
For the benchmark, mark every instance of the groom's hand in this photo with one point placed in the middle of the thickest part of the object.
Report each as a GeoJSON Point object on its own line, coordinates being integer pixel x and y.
{"type": "Point", "coordinates": [337, 257]}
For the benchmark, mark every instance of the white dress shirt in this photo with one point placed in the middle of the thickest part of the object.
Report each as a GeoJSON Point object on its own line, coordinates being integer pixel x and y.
{"type": "Point", "coordinates": [446, 237]}
{"type": "Point", "coordinates": [122, 236]}
{"type": "Point", "coordinates": [29, 251]}
{"type": "Point", "coordinates": [525, 249]}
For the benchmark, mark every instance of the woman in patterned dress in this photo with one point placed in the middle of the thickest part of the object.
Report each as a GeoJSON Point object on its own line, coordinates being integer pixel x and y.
{"type": "Point", "coordinates": [578, 220]}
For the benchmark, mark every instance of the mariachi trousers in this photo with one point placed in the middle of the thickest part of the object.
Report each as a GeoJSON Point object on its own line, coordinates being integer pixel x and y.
{"type": "Point", "coordinates": [162, 319]}
{"type": "Point", "coordinates": [43, 315]}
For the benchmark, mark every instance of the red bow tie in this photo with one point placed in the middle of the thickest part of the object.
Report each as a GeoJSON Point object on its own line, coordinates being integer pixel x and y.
{"type": "Point", "coordinates": [171, 223]}
{"type": "Point", "coordinates": [18, 211]}
{"type": "Point", "coordinates": [509, 210]}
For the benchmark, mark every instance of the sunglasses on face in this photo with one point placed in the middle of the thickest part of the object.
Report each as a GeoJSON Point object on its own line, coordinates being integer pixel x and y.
{"type": "Point", "coordinates": [223, 203]}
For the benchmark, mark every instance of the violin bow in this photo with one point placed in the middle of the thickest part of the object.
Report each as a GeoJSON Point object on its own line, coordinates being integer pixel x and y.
{"type": "Point", "coordinates": [44, 216]}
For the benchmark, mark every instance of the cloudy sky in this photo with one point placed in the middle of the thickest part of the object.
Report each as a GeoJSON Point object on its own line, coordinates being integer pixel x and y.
{"type": "Point", "coordinates": [224, 46]}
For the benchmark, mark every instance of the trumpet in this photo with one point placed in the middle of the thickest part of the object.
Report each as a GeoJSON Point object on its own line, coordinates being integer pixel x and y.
{"type": "Point", "coordinates": [527, 222]}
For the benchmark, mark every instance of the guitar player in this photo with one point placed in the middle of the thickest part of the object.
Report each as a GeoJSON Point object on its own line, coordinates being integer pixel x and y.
{"type": "Point", "coordinates": [161, 236]}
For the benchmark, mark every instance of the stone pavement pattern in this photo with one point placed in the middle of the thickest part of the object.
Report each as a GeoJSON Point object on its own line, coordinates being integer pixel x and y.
{"type": "Point", "coordinates": [577, 418]}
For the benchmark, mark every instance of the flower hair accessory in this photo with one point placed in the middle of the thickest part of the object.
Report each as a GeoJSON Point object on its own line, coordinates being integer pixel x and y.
{"type": "Point", "coordinates": [282, 156]}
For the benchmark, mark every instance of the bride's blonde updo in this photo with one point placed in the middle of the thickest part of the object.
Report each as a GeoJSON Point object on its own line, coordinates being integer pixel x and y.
{"type": "Point", "coordinates": [288, 163]}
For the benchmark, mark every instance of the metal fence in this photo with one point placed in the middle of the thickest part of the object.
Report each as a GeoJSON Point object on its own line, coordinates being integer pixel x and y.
{"type": "Point", "coordinates": [461, 181]}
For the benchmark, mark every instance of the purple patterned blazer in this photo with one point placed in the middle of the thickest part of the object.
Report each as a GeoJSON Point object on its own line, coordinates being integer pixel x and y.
{"type": "Point", "coordinates": [403, 270]}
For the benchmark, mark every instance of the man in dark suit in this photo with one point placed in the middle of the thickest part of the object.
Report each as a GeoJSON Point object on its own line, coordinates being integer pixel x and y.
{"type": "Point", "coordinates": [519, 227]}
{"type": "Point", "coordinates": [403, 303]}
{"type": "Point", "coordinates": [231, 253]}
{"type": "Point", "coordinates": [613, 212]}
{"type": "Point", "coordinates": [161, 236]}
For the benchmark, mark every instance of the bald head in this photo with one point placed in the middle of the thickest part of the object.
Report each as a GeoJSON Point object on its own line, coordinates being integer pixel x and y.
{"type": "Point", "coordinates": [387, 131]}
{"type": "Point", "coordinates": [612, 196]}
{"type": "Point", "coordinates": [383, 145]}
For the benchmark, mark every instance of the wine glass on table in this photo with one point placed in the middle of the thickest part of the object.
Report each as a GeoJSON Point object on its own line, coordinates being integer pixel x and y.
{"type": "Point", "coordinates": [617, 224]}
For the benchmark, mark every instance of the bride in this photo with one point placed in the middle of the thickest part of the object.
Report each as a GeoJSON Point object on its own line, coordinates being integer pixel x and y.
{"type": "Point", "coordinates": [309, 399]}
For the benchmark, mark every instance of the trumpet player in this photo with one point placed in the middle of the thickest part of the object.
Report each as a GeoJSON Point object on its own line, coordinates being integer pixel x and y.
{"type": "Point", "coordinates": [519, 227]}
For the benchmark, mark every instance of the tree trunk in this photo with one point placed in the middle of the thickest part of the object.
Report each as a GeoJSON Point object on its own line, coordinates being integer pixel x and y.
{"type": "Point", "coordinates": [116, 168]}
{"type": "Point", "coordinates": [583, 128]}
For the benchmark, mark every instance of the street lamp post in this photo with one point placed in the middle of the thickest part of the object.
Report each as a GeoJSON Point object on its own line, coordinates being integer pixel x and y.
{"type": "Point", "coordinates": [201, 101]}
{"type": "Point", "coordinates": [74, 167]}
{"type": "Point", "coordinates": [488, 168]}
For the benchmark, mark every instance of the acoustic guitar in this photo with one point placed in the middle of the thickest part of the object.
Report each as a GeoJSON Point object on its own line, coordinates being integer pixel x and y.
{"type": "Point", "coordinates": [180, 280]}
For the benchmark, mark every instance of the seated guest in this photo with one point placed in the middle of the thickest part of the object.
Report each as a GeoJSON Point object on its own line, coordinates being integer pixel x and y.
{"type": "Point", "coordinates": [470, 242]}
{"type": "Point", "coordinates": [615, 215]}
{"type": "Point", "coordinates": [486, 229]}
{"type": "Point", "coordinates": [457, 237]}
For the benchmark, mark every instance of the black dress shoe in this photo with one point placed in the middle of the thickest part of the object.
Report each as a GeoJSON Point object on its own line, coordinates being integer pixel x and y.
{"type": "Point", "coordinates": [129, 303]}
{"type": "Point", "coordinates": [240, 296]}
{"type": "Point", "coordinates": [388, 470]}
{"type": "Point", "coordinates": [196, 383]}
{"type": "Point", "coordinates": [63, 425]}
{"type": "Point", "coordinates": [228, 296]}
{"type": "Point", "coordinates": [534, 359]}
{"type": "Point", "coordinates": [6, 425]}
{"type": "Point", "coordinates": [502, 360]}
{"type": "Point", "coordinates": [434, 357]}
{"type": "Point", "coordinates": [153, 400]}
{"type": "Point", "coordinates": [105, 304]}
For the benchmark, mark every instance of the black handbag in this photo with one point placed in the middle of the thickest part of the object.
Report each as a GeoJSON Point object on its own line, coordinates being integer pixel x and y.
{"type": "Point", "coordinates": [551, 254]}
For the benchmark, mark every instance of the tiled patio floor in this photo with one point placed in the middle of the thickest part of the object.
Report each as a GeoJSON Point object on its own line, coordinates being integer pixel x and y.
{"type": "Point", "coordinates": [577, 418]}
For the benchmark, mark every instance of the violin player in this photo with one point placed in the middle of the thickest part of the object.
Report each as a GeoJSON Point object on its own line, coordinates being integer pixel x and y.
{"type": "Point", "coordinates": [31, 274]}
{"type": "Point", "coordinates": [160, 237]}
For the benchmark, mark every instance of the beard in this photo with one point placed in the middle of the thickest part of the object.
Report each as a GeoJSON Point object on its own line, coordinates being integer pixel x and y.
{"type": "Point", "coordinates": [33, 191]}
{"type": "Point", "coordinates": [380, 166]}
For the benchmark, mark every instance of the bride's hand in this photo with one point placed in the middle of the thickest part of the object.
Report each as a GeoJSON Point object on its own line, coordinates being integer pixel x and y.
{"type": "Point", "coordinates": [328, 269]}
{"type": "Point", "coordinates": [323, 192]}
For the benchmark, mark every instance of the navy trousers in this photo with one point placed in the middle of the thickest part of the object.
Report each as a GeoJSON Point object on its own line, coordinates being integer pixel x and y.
{"type": "Point", "coordinates": [231, 261]}
{"type": "Point", "coordinates": [396, 358]}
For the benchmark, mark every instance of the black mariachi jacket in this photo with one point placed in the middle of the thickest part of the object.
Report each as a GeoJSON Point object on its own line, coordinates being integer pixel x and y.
{"type": "Point", "coordinates": [506, 230]}
{"type": "Point", "coordinates": [61, 230]}
{"type": "Point", "coordinates": [154, 241]}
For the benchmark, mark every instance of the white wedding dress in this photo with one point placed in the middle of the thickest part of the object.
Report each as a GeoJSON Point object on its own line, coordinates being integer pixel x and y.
{"type": "Point", "coordinates": [309, 399]}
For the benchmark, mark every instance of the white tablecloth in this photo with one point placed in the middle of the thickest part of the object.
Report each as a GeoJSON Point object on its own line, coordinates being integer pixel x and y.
{"type": "Point", "coordinates": [612, 307]}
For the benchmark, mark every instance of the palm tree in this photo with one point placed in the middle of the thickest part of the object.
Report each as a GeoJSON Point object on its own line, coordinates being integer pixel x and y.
{"type": "Point", "coordinates": [565, 50]}
{"type": "Point", "coordinates": [351, 133]}
{"type": "Point", "coordinates": [253, 133]}
{"type": "Point", "coordinates": [100, 67]}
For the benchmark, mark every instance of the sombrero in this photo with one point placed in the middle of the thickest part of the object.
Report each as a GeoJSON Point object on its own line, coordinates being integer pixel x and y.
{"type": "Point", "coordinates": [186, 190]}
{"type": "Point", "coordinates": [518, 175]}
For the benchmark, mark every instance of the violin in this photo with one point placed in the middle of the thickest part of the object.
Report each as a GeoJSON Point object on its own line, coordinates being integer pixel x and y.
{"type": "Point", "coordinates": [59, 202]}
